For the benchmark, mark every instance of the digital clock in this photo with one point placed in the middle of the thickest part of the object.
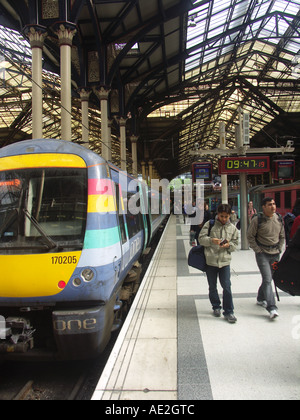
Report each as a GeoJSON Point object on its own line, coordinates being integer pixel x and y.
{"type": "Point", "coordinates": [248, 164]}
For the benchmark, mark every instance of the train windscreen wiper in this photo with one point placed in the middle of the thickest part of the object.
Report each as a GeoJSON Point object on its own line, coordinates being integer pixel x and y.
{"type": "Point", "coordinates": [8, 221]}
{"type": "Point", "coordinates": [49, 241]}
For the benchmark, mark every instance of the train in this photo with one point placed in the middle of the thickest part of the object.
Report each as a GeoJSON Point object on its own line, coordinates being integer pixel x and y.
{"type": "Point", "coordinates": [284, 195]}
{"type": "Point", "coordinates": [70, 248]}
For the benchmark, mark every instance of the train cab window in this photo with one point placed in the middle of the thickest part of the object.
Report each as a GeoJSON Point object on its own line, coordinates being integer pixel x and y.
{"type": "Point", "coordinates": [43, 208]}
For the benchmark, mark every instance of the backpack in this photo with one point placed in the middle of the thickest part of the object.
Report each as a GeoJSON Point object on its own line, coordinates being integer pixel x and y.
{"type": "Point", "coordinates": [196, 258]}
{"type": "Point", "coordinates": [286, 272]}
{"type": "Point", "coordinates": [289, 219]}
{"type": "Point", "coordinates": [260, 218]}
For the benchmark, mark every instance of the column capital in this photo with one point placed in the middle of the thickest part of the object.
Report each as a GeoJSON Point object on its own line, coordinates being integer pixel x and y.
{"type": "Point", "coordinates": [84, 93]}
{"type": "Point", "coordinates": [121, 121]}
{"type": "Point", "coordinates": [36, 35]}
{"type": "Point", "coordinates": [134, 138]}
{"type": "Point", "coordinates": [65, 32]}
{"type": "Point", "coordinates": [102, 92]}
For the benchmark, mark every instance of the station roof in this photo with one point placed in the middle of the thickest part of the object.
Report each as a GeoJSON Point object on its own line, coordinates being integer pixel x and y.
{"type": "Point", "coordinates": [181, 66]}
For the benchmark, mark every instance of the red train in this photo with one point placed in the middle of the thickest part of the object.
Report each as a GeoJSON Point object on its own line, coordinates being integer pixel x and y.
{"type": "Point", "coordinates": [284, 195]}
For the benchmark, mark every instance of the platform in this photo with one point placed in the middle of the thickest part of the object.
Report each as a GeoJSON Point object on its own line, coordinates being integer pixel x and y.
{"type": "Point", "coordinates": [172, 348]}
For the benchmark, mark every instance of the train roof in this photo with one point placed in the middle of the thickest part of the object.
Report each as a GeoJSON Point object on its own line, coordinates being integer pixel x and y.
{"type": "Point", "coordinates": [40, 146]}
{"type": "Point", "coordinates": [274, 186]}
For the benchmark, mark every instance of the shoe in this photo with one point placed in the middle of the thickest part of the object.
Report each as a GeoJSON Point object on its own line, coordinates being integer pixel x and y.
{"type": "Point", "coordinates": [262, 303]}
{"type": "Point", "coordinates": [217, 313]}
{"type": "Point", "coordinates": [274, 314]}
{"type": "Point", "coordinates": [230, 318]}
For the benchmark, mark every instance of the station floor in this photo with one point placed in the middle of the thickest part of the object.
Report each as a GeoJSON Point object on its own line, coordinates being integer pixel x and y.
{"type": "Point", "coordinates": [172, 348]}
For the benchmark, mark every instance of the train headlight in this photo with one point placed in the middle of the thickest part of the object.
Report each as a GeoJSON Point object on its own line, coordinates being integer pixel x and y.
{"type": "Point", "coordinates": [77, 282]}
{"type": "Point", "coordinates": [87, 274]}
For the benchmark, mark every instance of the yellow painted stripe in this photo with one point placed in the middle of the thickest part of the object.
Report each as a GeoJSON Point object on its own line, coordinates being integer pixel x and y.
{"type": "Point", "coordinates": [25, 276]}
{"type": "Point", "coordinates": [42, 160]}
{"type": "Point", "coordinates": [101, 203]}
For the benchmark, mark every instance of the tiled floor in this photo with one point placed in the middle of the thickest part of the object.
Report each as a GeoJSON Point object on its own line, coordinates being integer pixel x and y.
{"type": "Point", "coordinates": [172, 348]}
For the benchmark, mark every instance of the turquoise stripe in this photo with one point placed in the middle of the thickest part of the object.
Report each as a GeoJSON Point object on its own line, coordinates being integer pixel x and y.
{"type": "Point", "coordinates": [101, 238]}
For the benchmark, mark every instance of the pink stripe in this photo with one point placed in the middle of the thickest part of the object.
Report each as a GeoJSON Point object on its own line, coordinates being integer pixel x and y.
{"type": "Point", "coordinates": [100, 187]}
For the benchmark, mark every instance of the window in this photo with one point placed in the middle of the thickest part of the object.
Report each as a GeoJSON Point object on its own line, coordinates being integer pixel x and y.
{"type": "Point", "coordinates": [278, 199]}
{"type": "Point", "coordinates": [288, 199]}
{"type": "Point", "coordinates": [121, 214]}
{"type": "Point", "coordinates": [43, 208]}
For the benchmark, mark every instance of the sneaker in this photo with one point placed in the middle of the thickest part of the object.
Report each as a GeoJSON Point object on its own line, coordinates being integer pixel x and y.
{"type": "Point", "coordinates": [262, 303]}
{"type": "Point", "coordinates": [217, 313]}
{"type": "Point", "coordinates": [230, 318]}
{"type": "Point", "coordinates": [274, 314]}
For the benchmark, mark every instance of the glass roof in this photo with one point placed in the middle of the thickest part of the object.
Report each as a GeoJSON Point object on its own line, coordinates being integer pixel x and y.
{"type": "Point", "coordinates": [16, 93]}
{"type": "Point", "coordinates": [241, 53]}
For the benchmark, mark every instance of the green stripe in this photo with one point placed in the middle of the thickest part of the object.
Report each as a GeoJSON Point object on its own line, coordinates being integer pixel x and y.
{"type": "Point", "coordinates": [101, 238]}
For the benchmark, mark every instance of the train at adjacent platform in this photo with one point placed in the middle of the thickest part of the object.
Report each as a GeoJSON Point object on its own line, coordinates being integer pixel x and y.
{"type": "Point", "coordinates": [70, 247]}
{"type": "Point", "coordinates": [284, 195]}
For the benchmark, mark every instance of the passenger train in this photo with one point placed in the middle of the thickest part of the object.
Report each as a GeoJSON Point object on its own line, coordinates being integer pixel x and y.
{"type": "Point", "coordinates": [284, 195]}
{"type": "Point", "coordinates": [69, 248]}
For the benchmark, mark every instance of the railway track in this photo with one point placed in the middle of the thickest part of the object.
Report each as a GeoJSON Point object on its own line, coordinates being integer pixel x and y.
{"type": "Point", "coordinates": [72, 380]}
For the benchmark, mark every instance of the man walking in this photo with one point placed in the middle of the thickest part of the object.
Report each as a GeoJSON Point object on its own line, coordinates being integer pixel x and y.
{"type": "Point", "coordinates": [267, 238]}
{"type": "Point", "coordinates": [219, 244]}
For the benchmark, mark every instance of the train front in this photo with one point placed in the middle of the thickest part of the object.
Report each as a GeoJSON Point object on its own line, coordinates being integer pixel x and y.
{"type": "Point", "coordinates": [43, 216]}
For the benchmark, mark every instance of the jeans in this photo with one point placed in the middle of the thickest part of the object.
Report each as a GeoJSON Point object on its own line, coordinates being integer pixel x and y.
{"type": "Point", "coordinates": [265, 292]}
{"type": "Point", "coordinates": [224, 277]}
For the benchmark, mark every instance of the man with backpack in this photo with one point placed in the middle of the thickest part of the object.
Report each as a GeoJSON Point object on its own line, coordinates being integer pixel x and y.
{"type": "Point", "coordinates": [266, 237]}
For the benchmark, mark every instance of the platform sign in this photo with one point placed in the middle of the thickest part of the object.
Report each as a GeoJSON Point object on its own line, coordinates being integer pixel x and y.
{"type": "Point", "coordinates": [202, 170]}
{"type": "Point", "coordinates": [284, 170]}
{"type": "Point", "coordinates": [245, 164]}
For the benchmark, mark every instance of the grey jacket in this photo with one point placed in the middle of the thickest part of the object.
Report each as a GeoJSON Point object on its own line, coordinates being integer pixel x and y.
{"type": "Point", "coordinates": [269, 237]}
{"type": "Point", "coordinates": [215, 255]}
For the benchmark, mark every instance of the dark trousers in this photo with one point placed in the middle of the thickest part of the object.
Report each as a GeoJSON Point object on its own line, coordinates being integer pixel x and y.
{"type": "Point", "coordinates": [224, 277]}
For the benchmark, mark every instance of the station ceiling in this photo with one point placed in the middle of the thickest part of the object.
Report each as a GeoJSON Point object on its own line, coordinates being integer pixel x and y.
{"type": "Point", "coordinates": [176, 69]}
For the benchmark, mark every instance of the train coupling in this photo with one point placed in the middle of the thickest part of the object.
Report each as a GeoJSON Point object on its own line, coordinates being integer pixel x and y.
{"type": "Point", "coordinates": [17, 336]}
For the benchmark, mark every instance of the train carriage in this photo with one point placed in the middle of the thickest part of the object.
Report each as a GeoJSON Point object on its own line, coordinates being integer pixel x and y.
{"type": "Point", "coordinates": [68, 242]}
{"type": "Point", "coordinates": [284, 195]}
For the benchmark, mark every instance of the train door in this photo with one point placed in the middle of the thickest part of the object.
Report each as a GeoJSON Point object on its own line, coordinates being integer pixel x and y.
{"type": "Point", "coordinates": [122, 225]}
{"type": "Point", "coordinates": [146, 213]}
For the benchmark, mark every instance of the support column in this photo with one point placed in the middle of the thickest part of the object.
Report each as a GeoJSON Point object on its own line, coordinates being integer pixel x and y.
{"type": "Point", "coordinates": [66, 32]}
{"type": "Point", "coordinates": [122, 123]}
{"type": "Point", "coordinates": [150, 163]}
{"type": "Point", "coordinates": [84, 95]}
{"type": "Point", "coordinates": [224, 179]}
{"type": "Point", "coordinates": [36, 35]}
{"type": "Point", "coordinates": [243, 189]}
{"type": "Point", "coordinates": [109, 150]}
{"type": "Point", "coordinates": [134, 140]}
{"type": "Point", "coordinates": [103, 94]}
{"type": "Point", "coordinates": [143, 170]}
